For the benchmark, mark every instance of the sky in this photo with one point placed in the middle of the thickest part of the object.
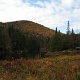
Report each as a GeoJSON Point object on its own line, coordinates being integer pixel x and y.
{"type": "Point", "coordinates": [50, 13]}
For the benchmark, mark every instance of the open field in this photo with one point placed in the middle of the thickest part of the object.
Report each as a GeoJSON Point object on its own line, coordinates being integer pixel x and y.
{"type": "Point", "coordinates": [64, 67]}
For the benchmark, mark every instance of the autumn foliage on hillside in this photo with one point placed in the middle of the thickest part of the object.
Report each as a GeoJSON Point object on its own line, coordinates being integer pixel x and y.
{"type": "Point", "coordinates": [29, 26]}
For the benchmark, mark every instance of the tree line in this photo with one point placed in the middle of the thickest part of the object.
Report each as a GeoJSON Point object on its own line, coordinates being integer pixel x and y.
{"type": "Point", "coordinates": [16, 44]}
{"type": "Point", "coordinates": [59, 42]}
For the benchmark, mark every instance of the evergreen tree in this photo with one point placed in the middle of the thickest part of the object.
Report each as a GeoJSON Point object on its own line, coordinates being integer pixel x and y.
{"type": "Point", "coordinates": [33, 46]}
{"type": "Point", "coordinates": [55, 43]}
{"type": "Point", "coordinates": [56, 31]}
{"type": "Point", "coordinates": [5, 45]}
{"type": "Point", "coordinates": [72, 31]}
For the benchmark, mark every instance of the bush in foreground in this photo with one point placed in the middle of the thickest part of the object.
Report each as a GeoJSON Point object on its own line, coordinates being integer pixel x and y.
{"type": "Point", "coordinates": [59, 68]}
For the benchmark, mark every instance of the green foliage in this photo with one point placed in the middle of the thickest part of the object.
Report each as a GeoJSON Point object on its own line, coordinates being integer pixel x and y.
{"type": "Point", "coordinates": [14, 43]}
{"type": "Point", "coordinates": [5, 45]}
{"type": "Point", "coordinates": [27, 45]}
{"type": "Point", "coordinates": [33, 46]}
{"type": "Point", "coordinates": [64, 42]}
{"type": "Point", "coordinates": [55, 43]}
{"type": "Point", "coordinates": [18, 39]}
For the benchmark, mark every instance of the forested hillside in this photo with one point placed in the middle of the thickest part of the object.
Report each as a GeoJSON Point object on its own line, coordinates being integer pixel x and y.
{"type": "Point", "coordinates": [32, 27]}
{"type": "Point", "coordinates": [30, 40]}
{"type": "Point", "coordinates": [23, 39]}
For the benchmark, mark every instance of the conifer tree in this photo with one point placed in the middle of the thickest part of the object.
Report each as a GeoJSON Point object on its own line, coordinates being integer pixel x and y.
{"type": "Point", "coordinates": [56, 31]}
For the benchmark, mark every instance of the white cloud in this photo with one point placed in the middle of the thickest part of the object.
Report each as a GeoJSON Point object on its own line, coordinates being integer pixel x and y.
{"type": "Point", "coordinates": [67, 3]}
{"type": "Point", "coordinates": [40, 3]}
{"type": "Point", "coordinates": [51, 14]}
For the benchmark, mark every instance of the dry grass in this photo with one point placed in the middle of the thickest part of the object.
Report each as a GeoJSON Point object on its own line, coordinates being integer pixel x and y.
{"type": "Point", "coordinates": [64, 67]}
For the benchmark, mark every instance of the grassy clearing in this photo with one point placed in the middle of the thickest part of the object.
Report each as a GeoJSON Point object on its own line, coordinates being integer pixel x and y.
{"type": "Point", "coordinates": [64, 67]}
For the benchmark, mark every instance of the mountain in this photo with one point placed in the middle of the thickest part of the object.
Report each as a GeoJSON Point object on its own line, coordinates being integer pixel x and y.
{"type": "Point", "coordinates": [31, 27]}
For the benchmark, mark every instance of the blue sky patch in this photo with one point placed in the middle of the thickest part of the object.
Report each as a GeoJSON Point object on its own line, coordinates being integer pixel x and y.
{"type": "Point", "coordinates": [24, 1]}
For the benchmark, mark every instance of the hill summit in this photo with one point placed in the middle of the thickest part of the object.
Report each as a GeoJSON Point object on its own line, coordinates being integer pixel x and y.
{"type": "Point", "coordinates": [31, 27]}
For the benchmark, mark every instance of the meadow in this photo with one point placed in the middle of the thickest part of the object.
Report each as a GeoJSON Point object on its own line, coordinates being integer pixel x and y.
{"type": "Point", "coordinates": [62, 67]}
